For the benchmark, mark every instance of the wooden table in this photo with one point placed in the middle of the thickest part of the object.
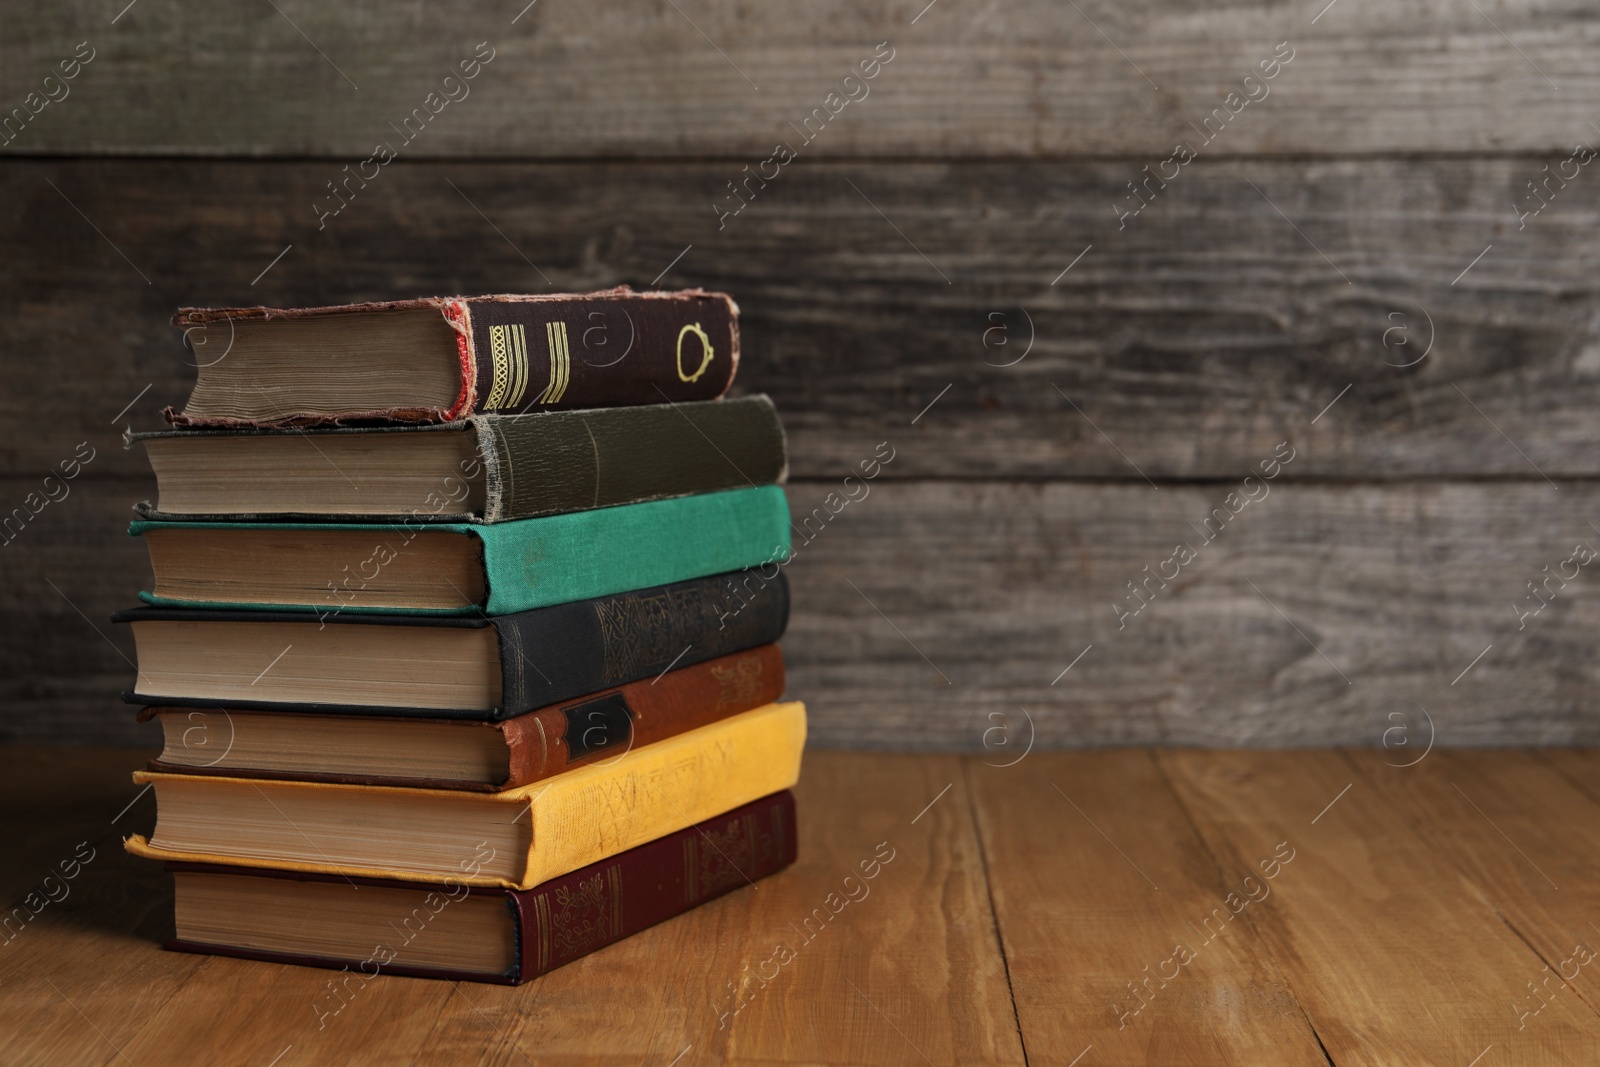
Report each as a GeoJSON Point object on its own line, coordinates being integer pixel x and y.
{"type": "Point", "coordinates": [1086, 908]}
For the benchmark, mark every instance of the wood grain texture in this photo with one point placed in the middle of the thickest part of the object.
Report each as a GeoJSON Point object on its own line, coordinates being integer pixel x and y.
{"type": "Point", "coordinates": [1183, 346]}
{"type": "Point", "coordinates": [716, 77]}
{"type": "Point", "coordinates": [1311, 619]}
{"type": "Point", "coordinates": [80, 977]}
{"type": "Point", "coordinates": [1369, 924]}
{"type": "Point", "coordinates": [1525, 841]}
{"type": "Point", "coordinates": [1097, 874]}
{"type": "Point", "coordinates": [909, 972]}
{"type": "Point", "coordinates": [1574, 764]}
{"type": "Point", "coordinates": [1394, 935]}
{"type": "Point", "coordinates": [939, 614]}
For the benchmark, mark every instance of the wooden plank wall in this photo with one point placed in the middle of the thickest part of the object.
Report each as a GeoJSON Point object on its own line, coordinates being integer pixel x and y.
{"type": "Point", "coordinates": [1077, 340]}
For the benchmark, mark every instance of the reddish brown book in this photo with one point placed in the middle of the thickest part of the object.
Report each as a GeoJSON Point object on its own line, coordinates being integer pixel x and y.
{"type": "Point", "coordinates": [439, 359]}
{"type": "Point", "coordinates": [366, 927]}
{"type": "Point", "coordinates": [466, 755]}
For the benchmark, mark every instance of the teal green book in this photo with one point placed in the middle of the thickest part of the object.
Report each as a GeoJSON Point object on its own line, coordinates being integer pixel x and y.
{"type": "Point", "coordinates": [466, 568]}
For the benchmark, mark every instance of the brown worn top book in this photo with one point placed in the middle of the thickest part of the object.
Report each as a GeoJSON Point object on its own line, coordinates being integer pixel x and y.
{"type": "Point", "coordinates": [455, 754]}
{"type": "Point", "coordinates": [439, 359]}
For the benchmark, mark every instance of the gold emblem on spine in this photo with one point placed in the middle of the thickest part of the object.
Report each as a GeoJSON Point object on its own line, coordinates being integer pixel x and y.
{"type": "Point", "coordinates": [508, 349]}
{"type": "Point", "coordinates": [706, 352]}
{"type": "Point", "coordinates": [560, 364]}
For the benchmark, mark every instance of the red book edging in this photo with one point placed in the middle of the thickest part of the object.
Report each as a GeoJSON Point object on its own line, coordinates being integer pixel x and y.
{"type": "Point", "coordinates": [455, 313]}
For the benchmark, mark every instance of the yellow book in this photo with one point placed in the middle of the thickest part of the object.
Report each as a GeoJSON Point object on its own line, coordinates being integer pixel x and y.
{"type": "Point", "coordinates": [515, 839]}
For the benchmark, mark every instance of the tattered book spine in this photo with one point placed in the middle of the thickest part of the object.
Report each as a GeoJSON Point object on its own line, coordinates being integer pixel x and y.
{"type": "Point", "coordinates": [609, 349]}
{"type": "Point", "coordinates": [519, 354]}
{"type": "Point", "coordinates": [547, 463]}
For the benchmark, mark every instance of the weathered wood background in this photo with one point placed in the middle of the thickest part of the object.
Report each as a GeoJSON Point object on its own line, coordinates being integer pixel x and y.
{"type": "Point", "coordinates": [1353, 265]}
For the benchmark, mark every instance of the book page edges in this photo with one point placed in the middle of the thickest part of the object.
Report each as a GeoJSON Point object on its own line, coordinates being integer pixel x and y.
{"type": "Point", "coordinates": [759, 752]}
{"type": "Point", "coordinates": [139, 845]}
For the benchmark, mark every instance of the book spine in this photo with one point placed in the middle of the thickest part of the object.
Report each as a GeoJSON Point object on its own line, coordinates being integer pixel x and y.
{"type": "Point", "coordinates": [535, 563]}
{"type": "Point", "coordinates": [564, 461]}
{"type": "Point", "coordinates": [582, 911]}
{"type": "Point", "coordinates": [573, 915]}
{"type": "Point", "coordinates": [587, 814]}
{"type": "Point", "coordinates": [558, 653]}
{"type": "Point", "coordinates": [613, 349]}
{"type": "Point", "coordinates": [605, 725]}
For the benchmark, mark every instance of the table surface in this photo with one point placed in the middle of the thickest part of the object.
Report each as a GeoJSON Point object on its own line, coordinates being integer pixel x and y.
{"type": "Point", "coordinates": [1129, 906]}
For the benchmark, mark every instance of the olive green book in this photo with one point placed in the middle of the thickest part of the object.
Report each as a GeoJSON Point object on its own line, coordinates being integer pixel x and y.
{"type": "Point", "coordinates": [484, 469]}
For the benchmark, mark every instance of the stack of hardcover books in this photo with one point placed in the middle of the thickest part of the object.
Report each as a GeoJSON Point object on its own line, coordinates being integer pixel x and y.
{"type": "Point", "coordinates": [462, 636]}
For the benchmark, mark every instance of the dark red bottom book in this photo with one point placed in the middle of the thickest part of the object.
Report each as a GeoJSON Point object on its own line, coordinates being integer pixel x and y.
{"type": "Point", "coordinates": [369, 927]}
